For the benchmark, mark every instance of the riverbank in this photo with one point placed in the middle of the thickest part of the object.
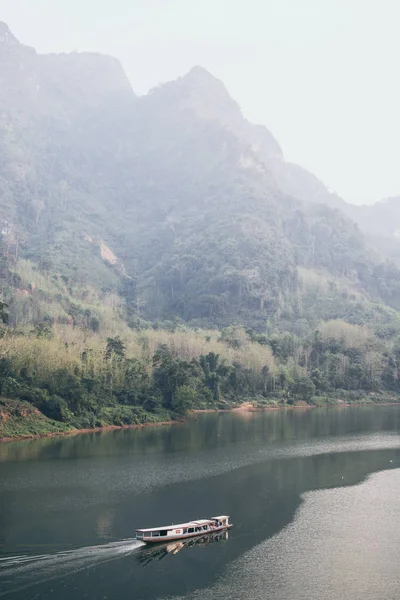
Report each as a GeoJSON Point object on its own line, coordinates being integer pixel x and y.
{"type": "Point", "coordinates": [20, 421]}
{"type": "Point", "coordinates": [71, 432]}
{"type": "Point", "coordinates": [254, 407]}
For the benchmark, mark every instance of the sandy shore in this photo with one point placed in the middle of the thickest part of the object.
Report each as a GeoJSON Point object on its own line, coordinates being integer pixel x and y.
{"type": "Point", "coordinates": [249, 407]}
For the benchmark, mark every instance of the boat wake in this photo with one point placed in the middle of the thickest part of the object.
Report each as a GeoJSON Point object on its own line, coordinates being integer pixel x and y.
{"type": "Point", "coordinates": [19, 572]}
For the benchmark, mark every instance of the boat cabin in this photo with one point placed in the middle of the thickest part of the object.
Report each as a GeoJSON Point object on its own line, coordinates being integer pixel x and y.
{"type": "Point", "coordinates": [183, 530]}
{"type": "Point", "coordinates": [221, 521]}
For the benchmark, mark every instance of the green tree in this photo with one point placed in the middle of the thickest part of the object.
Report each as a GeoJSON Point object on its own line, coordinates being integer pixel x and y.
{"type": "Point", "coordinates": [44, 330]}
{"type": "Point", "coordinates": [3, 312]}
{"type": "Point", "coordinates": [235, 336]}
{"type": "Point", "coordinates": [115, 346]}
{"type": "Point", "coordinates": [184, 399]}
{"type": "Point", "coordinates": [214, 370]}
{"type": "Point", "coordinates": [172, 372]}
{"type": "Point", "coordinates": [302, 388]}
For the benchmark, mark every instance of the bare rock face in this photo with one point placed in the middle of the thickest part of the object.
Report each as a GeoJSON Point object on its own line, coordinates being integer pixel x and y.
{"type": "Point", "coordinates": [6, 37]}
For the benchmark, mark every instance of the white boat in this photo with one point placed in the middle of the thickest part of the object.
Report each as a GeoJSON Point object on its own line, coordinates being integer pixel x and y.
{"type": "Point", "coordinates": [168, 533]}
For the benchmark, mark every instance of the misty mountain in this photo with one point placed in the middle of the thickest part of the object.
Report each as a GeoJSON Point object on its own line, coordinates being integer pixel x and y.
{"type": "Point", "coordinates": [381, 222]}
{"type": "Point", "coordinates": [173, 202]}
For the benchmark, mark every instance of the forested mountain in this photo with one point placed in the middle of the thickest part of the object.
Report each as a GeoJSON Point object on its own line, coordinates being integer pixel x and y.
{"type": "Point", "coordinates": [204, 219]}
{"type": "Point", "coordinates": [165, 209]}
{"type": "Point", "coordinates": [381, 223]}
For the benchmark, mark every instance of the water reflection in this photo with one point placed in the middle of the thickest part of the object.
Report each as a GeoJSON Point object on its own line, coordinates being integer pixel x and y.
{"type": "Point", "coordinates": [159, 551]}
{"type": "Point", "coordinates": [211, 431]}
{"type": "Point", "coordinates": [94, 490]}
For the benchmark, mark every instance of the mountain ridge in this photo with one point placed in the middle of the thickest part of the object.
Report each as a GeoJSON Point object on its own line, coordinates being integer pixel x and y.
{"type": "Point", "coordinates": [160, 179]}
{"type": "Point", "coordinates": [6, 36]}
{"type": "Point", "coordinates": [158, 254]}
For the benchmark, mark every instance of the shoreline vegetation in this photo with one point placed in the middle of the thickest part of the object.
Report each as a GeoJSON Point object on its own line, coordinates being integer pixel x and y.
{"type": "Point", "coordinates": [179, 266]}
{"type": "Point", "coordinates": [60, 379]}
{"type": "Point", "coordinates": [246, 407]}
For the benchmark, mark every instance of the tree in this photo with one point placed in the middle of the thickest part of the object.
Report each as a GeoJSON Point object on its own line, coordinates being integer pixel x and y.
{"type": "Point", "coordinates": [302, 388]}
{"type": "Point", "coordinates": [214, 370]}
{"type": "Point", "coordinates": [172, 372]}
{"type": "Point", "coordinates": [318, 379]}
{"type": "Point", "coordinates": [184, 399]}
{"type": "Point", "coordinates": [134, 385]}
{"type": "Point", "coordinates": [235, 336]}
{"type": "Point", "coordinates": [114, 355]}
{"type": "Point", "coordinates": [3, 312]}
{"type": "Point", "coordinates": [94, 324]}
{"type": "Point", "coordinates": [115, 346]}
{"type": "Point", "coordinates": [44, 330]}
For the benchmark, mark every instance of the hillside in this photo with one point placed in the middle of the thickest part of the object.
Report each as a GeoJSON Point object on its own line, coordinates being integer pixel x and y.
{"type": "Point", "coordinates": [122, 214]}
{"type": "Point", "coordinates": [205, 220]}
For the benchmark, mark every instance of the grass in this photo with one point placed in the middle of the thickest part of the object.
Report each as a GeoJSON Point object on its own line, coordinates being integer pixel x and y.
{"type": "Point", "coordinates": [21, 419]}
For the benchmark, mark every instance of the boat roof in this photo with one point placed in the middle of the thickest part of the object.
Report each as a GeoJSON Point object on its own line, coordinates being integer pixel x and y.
{"type": "Point", "coordinates": [178, 525]}
{"type": "Point", "coordinates": [222, 517]}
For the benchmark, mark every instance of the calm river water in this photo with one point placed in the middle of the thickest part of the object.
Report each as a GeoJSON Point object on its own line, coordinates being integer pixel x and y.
{"type": "Point", "coordinates": [314, 496]}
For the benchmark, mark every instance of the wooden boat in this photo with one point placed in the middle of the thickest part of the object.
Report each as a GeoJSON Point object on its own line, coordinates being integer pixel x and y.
{"type": "Point", "coordinates": [168, 533]}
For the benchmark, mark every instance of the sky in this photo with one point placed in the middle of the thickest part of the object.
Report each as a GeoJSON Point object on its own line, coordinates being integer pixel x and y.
{"type": "Point", "coordinates": [322, 75]}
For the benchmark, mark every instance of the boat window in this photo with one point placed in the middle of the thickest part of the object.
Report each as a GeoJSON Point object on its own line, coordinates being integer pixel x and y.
{"type": "Point", "coordinates": [205, 527]}
{"type": "Point", "coordinates": [163, 532]}
{"type": "Point", "coordinates": [185, 531]}
{"type": "Point", "coordinates": [191, 530]}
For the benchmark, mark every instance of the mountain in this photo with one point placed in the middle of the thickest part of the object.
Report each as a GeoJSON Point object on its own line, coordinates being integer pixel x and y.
{"type": "Point", "coordinates": [173, 203]}
{"type": "Point", "coordinates": [57, 113]}
{"type": "Point", "coordinates": [381, 223]}
{"type": "Point", "coordinates": [158, 253]}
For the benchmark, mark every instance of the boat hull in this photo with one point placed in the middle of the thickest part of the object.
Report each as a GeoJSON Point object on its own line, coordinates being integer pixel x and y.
{"type": "Point", "coordinates": [170, 538]}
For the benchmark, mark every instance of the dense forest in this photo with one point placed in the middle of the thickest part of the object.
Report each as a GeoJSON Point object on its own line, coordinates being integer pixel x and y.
{"type": "Point", "coordinates": [79, 378]}
{"type": "Point", "coordinates": [158, 254]}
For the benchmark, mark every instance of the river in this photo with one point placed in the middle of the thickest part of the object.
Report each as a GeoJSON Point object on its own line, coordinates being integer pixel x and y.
{"type": "Point", "coordinates": [313, 495]}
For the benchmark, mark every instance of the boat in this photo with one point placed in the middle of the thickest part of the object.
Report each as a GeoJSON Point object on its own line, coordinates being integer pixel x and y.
{"type": "Point", "coordinates": [169, 533]}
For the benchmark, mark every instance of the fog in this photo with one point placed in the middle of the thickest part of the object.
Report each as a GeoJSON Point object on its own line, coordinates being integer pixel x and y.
{"type": "Point", "coordinates": [320, 74]}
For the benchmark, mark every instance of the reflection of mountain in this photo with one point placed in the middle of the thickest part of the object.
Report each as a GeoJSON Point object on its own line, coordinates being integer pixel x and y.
{"type": "Point", "coordinates": [160, 551]}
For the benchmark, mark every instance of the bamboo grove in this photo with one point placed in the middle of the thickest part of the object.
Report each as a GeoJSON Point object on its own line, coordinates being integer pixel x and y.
{"type": "Point", "coordinates": [85, 379]}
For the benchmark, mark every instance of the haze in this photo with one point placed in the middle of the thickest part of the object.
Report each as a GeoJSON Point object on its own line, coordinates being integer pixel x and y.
{"type": "Point", "coordinates": [320, 74]}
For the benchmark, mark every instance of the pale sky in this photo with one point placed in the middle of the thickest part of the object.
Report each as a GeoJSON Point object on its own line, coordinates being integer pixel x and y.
{"type": "Point", "coordinates": [322, 75]}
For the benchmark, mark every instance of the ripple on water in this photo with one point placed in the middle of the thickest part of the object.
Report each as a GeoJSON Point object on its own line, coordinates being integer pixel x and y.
{"type": "Point", "coordinates": [26, 570]}
{"type": "Point", "coordinates": [344, 543]}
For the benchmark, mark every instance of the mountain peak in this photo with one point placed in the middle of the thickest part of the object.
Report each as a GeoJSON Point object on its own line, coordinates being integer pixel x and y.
{"type": "Point", "coordinates": [201, 81]}
{"type": "Point", "coordinates": [200, 74]}
{"type": "Point", "coordinates": [212, 100]}
{"type": "Point", "coordinates": [203, 93]}
{"type": "Point", "coordinates": [6, 37]}
{"type": "Point", "coordinates": [206, 96]}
